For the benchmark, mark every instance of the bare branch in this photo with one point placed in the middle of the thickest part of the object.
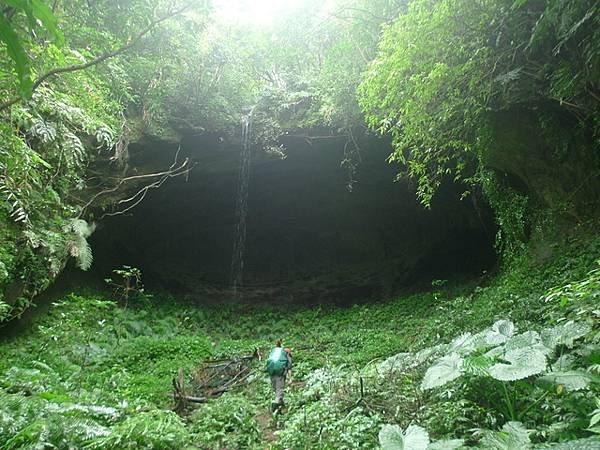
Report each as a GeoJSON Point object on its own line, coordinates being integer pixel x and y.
{"type": "Point", "coordinates": [173, 171]}
{"type": "Point", "coordinates": [309, 137]}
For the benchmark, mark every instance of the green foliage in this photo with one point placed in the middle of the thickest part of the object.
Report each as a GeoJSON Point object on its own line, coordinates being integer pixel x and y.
{"type": "Point", "coordinates": [78, 246]}
{"type": "Point", "coordinates": [512, 213]}
{"type": "Point", "coordinates": [54, 136]}
{"type": "Point", "coordinates": [512, 435]}
{"type": "Point", "coordinates": [521, 356]}
{"type": "Point", "coordinates": [160, 430]}
{"type": "Point", "coordinates": [39, 17]}
{"type": "Point", "coordinates": [449, 101]}
{"type": "Point", "coordinates": [42, 164]}
{"type": "Point", "coordinates": [228, 423]}
{"type": "Point", "coordinates": [93, 374]}
{"type": "Point", "coordinates": [130, 283]}
{"type": "Point", "coordinates": [137, 357]}
{"type": "Point", "coordinates": [17, 54]}
{"type": "Point", "coordinates": [579, 444]}
{"type": "Point", "coordinates": [434, 94]}
{"type": "Point", "coordinates": [76, 381]}
{"type": "Point", "coordinates": [585, 290]}
{"type": "Point", "coordinates": [500, 353]}
{"type": "Point", "coordinates": [447, 74]}
{"type": "Point", "coordinates": [440, 98]}
{"type": "Point", "coordinates": [391, 437]}
{"type": "Point", "coordinates": [27, 422]}
{"type": "Point", "coordinates": [323, 425]}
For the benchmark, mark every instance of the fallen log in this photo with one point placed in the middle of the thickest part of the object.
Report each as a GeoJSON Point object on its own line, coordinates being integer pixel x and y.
{"type": "Point", "coordinates": [189, 398]}
{"type": "Point", "coordinates": [211, 380]}
{"type": "Point", "coordinates": [228, 362]}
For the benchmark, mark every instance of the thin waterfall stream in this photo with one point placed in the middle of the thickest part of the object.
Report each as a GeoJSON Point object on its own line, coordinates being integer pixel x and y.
{"type": "Point", "coordinates": [241, 205]}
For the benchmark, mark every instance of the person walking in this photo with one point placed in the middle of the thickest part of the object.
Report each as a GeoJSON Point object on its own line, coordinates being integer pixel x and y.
{"type": "Point", "coordinates": [279, 364]}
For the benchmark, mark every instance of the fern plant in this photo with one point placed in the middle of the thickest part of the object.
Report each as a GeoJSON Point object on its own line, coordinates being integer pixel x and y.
{"type": "Point", "coordinates": [72, 149]}
{"type": "Point", "coordinates": [42, 130]}
{"type": "Point", "coordinates": [153, 429]}
{"type": "Point", "coordinates": [78, 247]}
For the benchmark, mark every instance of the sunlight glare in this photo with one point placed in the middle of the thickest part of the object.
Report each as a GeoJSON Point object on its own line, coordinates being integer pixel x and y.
{"type": "Point", "coordinates": [254, 12]}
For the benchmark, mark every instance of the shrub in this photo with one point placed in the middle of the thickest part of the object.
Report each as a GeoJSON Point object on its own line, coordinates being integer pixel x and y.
{"type": "Point", "coordinates": [226, 423]}
{"type": "Point", "coordinates": [151, 430]}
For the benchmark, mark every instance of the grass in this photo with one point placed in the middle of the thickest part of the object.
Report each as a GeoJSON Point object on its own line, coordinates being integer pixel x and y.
{"type": "Point", "coordinates": [93, 374]}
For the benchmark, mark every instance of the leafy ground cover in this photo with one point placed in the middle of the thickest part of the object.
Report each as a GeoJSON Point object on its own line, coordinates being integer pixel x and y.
{"type": "Point", "coordinates": [93, 373]}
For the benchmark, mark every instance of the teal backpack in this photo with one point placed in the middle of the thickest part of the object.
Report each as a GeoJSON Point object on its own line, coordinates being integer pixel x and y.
{"type": "Point", "coordinates": [277, 361]}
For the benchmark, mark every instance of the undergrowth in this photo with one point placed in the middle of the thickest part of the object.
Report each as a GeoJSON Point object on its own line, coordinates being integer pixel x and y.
{"type": "Point", "coordinates": [94, 374]}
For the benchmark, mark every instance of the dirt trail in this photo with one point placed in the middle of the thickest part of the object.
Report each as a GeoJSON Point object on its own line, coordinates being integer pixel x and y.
{"type": "Point", "coordinates": [267, 426]}
{"type": "Point", "coordinates": [267, 422]}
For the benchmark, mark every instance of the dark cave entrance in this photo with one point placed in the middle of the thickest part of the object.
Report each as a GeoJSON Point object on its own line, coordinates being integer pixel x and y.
{"type": "Point", "coordinates": [309, 239]}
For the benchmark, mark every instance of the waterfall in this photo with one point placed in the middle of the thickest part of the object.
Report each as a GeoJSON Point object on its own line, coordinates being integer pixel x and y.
{"type": "Point", "coordinates": [241, 205]}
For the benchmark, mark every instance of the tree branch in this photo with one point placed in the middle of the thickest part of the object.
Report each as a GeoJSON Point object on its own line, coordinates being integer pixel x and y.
{"type": "Point", "coordinates": [141, 194]}
{"type": "Point", "coordinates": [99, 59]}
{"type": "Point", "coordinates": [173, 171]}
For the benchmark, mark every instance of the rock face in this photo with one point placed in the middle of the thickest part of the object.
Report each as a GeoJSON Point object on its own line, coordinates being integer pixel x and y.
{"type": "Point", "coordinates": [308, 237]}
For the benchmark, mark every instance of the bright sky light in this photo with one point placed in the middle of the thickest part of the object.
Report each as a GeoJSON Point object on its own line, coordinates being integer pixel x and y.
{"type": "Point", "coordinates": [257, 12]}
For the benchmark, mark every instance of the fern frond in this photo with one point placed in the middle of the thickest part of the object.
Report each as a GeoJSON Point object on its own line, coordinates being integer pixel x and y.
{"type": "Point", "coordinates": [478, 365]}
{"type": "Point", "coordinates": [81, 227]}
{"type": "Point", "coordinates": [104, 137]}
{"type": "Point", "coordinates": [78, 246]}
{"type": "Point", "coordinates": [73, 149]}
{"type": "Point", "coordinates": [44, 132]}
{"type": "Point", "coordinates": [80, 249]}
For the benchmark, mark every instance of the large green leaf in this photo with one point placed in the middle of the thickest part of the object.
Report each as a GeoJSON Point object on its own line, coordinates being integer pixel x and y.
{"type": "Point", "coordinates": [24, 6]}
{"type": "Point", "coordinates": [478, 365]}
{"type": "Point", "coordinates": [445, 369]}
{"type": "Point", "coordinates": [524, 362]}
{"type": "Point", "coordinates": [16, 52]}
{"type": "Point", "coordinates": [17, 4]}
{"type": "Point", "coordinates": [462, 343]}
{"type": "Point", "coordinates": [565, 334]}
{"type": "Point", "coordinates": [391, 437]}
{"type": "Point", "coordinates": [415, 437]}
{"type": "Point", "coordinates": [514, 436]}
{"type": "Point", "coordinates": [467, 343]}
{"type": "Point", "coordinates": [572, 380]}
{"type": "Point", "coordinates": [44, 14]}
{"type": "Point", "coordinates": [564, 362]}
{"type": "Point", "coordinates": [518, 3]}
{"type": "Point", "coordinates": [592, 443]}
{"type": "Point", "coordinates": [500, 332]}
{"type": "Point", "coordinates": [38, 10]}
{"type": "Point", "coordinates": [449, 444]}
{"type": "Point", "coordinates": [38, 13]}
{"type": "Point", "coordinates": [526, 339]}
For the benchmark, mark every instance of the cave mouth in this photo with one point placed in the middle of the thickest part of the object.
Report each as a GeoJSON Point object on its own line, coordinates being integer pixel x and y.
{"type": "Point", "coordinates": [309, 238]}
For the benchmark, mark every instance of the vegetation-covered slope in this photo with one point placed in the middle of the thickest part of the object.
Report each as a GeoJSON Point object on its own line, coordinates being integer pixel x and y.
{"type": "Point", "coordinates": [94, 374]}
{"type": "Point", "coordinates": [499, 96]}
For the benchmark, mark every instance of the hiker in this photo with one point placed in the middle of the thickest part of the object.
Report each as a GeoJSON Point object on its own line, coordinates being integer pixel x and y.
{"type": "Point", "coordinates": [279, 364]}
